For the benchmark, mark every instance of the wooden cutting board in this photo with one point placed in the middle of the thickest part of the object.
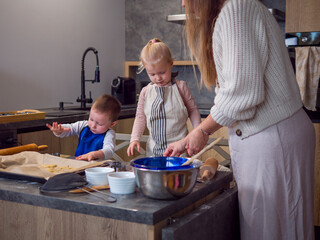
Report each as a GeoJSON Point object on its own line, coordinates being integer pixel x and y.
{"type": "Point", "coordinates": [19, 116]}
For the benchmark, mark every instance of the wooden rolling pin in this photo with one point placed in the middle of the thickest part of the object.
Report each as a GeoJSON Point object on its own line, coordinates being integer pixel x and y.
{"type": "Point", "coordinates": [208, 169]}
{"type": "Point", "coordinates": [27, 147]}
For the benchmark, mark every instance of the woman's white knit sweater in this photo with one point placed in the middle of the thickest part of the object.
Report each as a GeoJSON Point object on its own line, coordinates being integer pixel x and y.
{"type": "Point", "coordinates": [257, 85]}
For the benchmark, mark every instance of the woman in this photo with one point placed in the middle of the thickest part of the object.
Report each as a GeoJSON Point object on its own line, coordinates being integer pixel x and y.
{"type": "Point", "coordinates": [239, 49]}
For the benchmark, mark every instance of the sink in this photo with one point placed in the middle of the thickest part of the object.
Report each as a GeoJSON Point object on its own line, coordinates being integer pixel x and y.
{"type": "Point", "coordinates": [68, 111]}
{"type": "Point", "coordinates": [77, 109]}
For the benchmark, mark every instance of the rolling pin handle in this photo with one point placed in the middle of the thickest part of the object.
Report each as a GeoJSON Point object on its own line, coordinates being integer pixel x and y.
{"type": "Point", "coordinates": [42, 147]}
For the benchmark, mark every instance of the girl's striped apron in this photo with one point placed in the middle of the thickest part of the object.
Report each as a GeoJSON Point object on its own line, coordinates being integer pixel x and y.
{"type": "Point", "coordinates": [166, 117]}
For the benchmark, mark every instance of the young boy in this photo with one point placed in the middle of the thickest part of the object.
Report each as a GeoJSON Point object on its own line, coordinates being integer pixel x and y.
{"type": "Point", "coordinates": [96, 139]}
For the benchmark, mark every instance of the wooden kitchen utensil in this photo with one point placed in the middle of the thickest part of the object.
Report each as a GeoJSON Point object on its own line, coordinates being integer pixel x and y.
{"type": "Point", "coordinates": [206, 148]}
{"type": "Point", "coordinates": [209, 168]}
{"type": "Point", "coordinates": [89, 189]}
{"type": "Point", "coordinates": [27, 147]}
{"type": "Point", "coordinates": [68, 181]}
{"type": "Point", "coordinates": [95, 164]}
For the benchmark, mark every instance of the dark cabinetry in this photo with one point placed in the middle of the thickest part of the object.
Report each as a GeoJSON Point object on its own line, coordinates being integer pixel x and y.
{"type": "Point", "coordinates": [8, 138]}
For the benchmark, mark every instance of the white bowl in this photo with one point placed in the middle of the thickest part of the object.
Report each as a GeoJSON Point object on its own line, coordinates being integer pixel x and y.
{"type": "Point", "coordinates": [98, 176]}
{"type": "Point", "coordinates": [122, 182]}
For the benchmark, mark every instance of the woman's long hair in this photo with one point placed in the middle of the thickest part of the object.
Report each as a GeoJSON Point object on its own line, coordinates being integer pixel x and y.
{"type": "Point", "coordinates": [200, 20]}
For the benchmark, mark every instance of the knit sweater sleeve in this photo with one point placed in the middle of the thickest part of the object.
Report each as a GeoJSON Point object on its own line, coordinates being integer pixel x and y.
{"type": "Point", "coordinates": [240, 50]}
{"type": "Point", "coordinates": [189, 102]}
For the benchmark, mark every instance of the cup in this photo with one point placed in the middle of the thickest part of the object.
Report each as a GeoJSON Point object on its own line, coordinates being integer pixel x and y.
{"type": "Point", "coordinates": [98, 176]}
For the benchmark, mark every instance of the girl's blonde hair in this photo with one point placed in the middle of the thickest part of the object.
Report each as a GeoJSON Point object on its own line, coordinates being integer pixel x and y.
{"type": "Point", "coordinates": [201, 17]}
{"type": "Point", "coordinates": [154, 52]}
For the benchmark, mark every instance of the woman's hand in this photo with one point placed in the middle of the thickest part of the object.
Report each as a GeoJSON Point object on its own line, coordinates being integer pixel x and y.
{"type": "Point", "coordinates": [196, 141]}
{"type": "Point", "coordinates": [176, 148]}
{"type": "Point", "coordinates": [193, 143]}
{"type": "Point", "coordinates": [133, 144]}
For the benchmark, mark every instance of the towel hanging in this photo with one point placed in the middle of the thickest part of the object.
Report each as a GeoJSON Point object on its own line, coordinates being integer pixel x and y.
{"type": "Point", "coordinates": [308, 74]}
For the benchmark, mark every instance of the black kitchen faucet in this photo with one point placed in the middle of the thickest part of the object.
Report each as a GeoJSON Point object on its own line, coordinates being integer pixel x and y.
{"type": "Point", "coordinates": [83, 98]}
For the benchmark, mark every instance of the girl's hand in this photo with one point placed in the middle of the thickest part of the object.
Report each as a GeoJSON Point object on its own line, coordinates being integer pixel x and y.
{"type": "Point", "coordinates": [133, 144]}
{"type": "Point", "coordinates": [56, 128]}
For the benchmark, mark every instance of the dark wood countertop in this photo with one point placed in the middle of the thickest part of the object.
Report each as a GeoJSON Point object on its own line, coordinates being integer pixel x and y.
{"type": "Point", "coordinates": [72, 115]}
{"type": "Point", "coordinates": [68, 115]}
{"type": "Point", "coordinates": [132, 207]}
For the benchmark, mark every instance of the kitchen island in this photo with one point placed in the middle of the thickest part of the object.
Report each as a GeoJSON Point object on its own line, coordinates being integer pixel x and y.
{"type": "Point", "coordinates": [28, 214]}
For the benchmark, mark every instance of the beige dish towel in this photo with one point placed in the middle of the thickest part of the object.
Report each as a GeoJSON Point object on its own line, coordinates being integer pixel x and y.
{"type": "Point", "coordinates": [31, 163]}
{"type": "Point", "coordinates": [308, 74]}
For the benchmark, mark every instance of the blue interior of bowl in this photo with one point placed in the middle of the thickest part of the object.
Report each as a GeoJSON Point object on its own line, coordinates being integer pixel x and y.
{"type": "Point", "coordinates": [161, 163]}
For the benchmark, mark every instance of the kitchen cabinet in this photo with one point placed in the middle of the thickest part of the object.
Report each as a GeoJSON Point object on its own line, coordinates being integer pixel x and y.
{"type": "Point", "coordinates": [302, 16]}
{"type": "Point", "coordinates": [35, 131]}
{"type": "Point", "coordinates": [317, 177]}
{"type": "Point", "coordinates": [8, 138]}
{"type": "Point", "coordinates": [28, 214]}
{"type": "Point", "coordinates": [66, 146]}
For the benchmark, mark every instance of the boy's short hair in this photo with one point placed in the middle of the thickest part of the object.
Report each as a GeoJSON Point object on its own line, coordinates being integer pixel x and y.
{"type": "Point", "coordinates": [109, 105]}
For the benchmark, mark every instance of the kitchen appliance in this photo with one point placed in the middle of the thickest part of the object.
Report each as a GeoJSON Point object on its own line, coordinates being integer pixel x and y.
{"type": "Point", "coordinates": [124, 89]}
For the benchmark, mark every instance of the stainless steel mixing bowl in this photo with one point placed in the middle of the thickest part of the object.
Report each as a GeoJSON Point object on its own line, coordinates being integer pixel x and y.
{"type": "Point", "coordinates": [164, 177]}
